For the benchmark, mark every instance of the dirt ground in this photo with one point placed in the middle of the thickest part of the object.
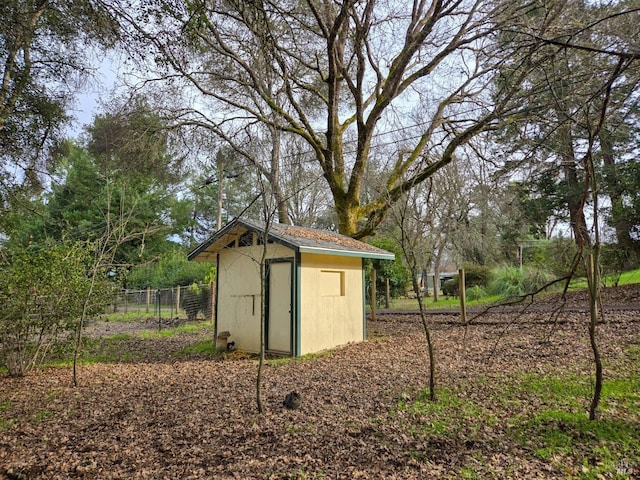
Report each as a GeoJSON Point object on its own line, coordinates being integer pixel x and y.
{"type": "Point", "coordinates": [191, 416]}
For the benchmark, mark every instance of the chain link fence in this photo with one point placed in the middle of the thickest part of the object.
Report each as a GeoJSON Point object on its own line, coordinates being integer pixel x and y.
{"type": "Point", "coordinates": [193, 302]}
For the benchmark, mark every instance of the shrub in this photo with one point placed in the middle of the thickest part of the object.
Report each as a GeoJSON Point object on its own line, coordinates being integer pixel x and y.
{"type": "Point", "coordinates": [507, 281]}
{"type": "Point", "coordinates": [398, 274]}
{"type": "Point", "coordinates": [475, 293]}
{"type": "Point", "coordinates": [534, 279]}
{"type": "Point", "coordinates": [450, 287]}
{"type": "Point", "coordinates": [170, 270]}
{"type": "Point", "coordinates": [43, 290]}
{"type": "Point", "coordinates": [510, 281]}
{"type": "Point", "coordinates": [194, 300]}
{"type": "Point", "coordinates": [474, 275]}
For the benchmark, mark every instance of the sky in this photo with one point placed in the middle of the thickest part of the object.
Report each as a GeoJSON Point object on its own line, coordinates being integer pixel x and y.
{"type": "Point", "coordinates": [88, 101]}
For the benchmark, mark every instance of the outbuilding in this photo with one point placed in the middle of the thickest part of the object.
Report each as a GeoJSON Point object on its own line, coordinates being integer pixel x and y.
{"type": "Point", "coordinates": [315, 287]}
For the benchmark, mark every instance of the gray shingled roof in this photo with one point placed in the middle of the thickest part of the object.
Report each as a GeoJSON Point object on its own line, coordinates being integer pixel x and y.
{"type": "Point", "coordinates": [300, 239]}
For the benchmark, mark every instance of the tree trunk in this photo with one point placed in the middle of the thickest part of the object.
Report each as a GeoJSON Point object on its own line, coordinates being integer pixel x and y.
{"type": "Point", "coordinates": [274, 177]}
{"type": "Point", "coordinates": [387, 294]}
{"type": "Point", "coordinates": [220, 188]}
{"type": "Point", "coordinates": [574, 192]}
{"type": "Point", "coordinates": [263, 315]}
{"type": "Point", "coordinates": [437, 260]}
{"type": "Point", "coordinates": [593, 278]}
{"type": "Point", "coordinates": [427, 334]}
{"type": "Point", "coordinates": [462, 290]}
{"type": "Point", "coordinates": [346, 213]}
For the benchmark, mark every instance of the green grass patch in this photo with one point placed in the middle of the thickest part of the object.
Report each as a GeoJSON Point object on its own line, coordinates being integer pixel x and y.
{"type": "Point", "coordinates": [155, 334]}
{"type": "Point", "coordinates": [622, 395]}
{"type": "Point", "coordinates": [111, 349]}
{"type": "Point", "coordinates": [201, 348]}
{"type": "Point", "coordinates": [443, 303]}
{"type": "Point", "coordinates": [633, 352]}
{"type": "Point", "coordinates": [449, 414]}
{"type": "Point", "coordinates": [469, 473]}
{"type": "Point", "coordinates": [170, 332]}
{"type": "Point", "coordinates": [119, 337]}
{"type": "Point", "coordinates": [194, 327]}
{"type": "Point", "coordinates": [567, 392]}
{"type": "Point", "coordinates": [599, 447]}
{"type": "Point", "coordinates": [280, 361]}
{"type": "Point", "coordinates": [630, 277]}
{"type": "Point", "coordinates": [125, 317]}
{"type": "Point", "coordinates": [560, 429]}
{"type": "Point", "coordinates": [543, 416]}
{"type": "Point", "coordinates": [42, 415]}
{"type": "Point", "coordinates": [6, 422]}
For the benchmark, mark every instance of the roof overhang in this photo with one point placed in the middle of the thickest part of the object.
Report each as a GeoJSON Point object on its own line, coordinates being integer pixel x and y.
{"type": "Point", "coordinates": [209, 249]}
{"type": "Point", "coordinates": [347, 253]}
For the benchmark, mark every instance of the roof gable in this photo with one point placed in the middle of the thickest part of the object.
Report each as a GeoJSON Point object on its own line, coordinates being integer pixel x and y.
{"type": "Point", "coordinates": [300, 239]}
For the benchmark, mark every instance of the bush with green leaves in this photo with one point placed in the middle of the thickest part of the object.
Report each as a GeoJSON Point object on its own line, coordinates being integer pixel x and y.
{"type": "Point", "coordinates": [43, 290]}
{"type": "Point", "coordinates": [508, 281]}
{"type": "Point", "coordinates": [170, 270]}
{"type": "Point", "coordinates": [559, 256]}
{"type": "Point", "coordinates": [536, 278]}
{"type": "Point", "coordinates": [474, 275]}
{"type": "Point", "coordinates": [195, 299]}
{"type": "Point", "coordinates": [450, 288]}
{"type": "Point", "coordinates": [475, 293]}
{"type": "Point", "coordinates": [398, 274]}
{"type": "Point", "coordinates": [614, 261]}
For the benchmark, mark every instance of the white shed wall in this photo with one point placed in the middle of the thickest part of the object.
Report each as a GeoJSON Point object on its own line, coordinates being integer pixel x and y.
{"type": "Point", "coordinates": [238, 297]}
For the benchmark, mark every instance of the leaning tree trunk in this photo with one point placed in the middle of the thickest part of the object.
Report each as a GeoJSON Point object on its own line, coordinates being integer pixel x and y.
{"type": "Point", "coordinates": [594, 294]}
{"type": "Point", "coordinates": [574, 195]}
{"type": "Point", "coordinates": [427, 334]}
{"type": "Point", "coordinates": [274, 178]}
{"type": "Point", "coordinates": [263, 280]}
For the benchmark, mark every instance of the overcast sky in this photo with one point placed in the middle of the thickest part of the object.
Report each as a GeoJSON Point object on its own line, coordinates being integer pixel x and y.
{"type": "Point", "coordinates": [88, 102]}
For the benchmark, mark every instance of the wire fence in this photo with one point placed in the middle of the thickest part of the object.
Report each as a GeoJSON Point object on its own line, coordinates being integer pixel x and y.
{"type": "Point", "coordinates": [193, 302]}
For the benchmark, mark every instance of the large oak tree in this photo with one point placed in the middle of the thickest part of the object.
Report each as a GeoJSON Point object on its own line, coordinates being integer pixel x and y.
{"type": "Point", "coordinates": [337, 74]}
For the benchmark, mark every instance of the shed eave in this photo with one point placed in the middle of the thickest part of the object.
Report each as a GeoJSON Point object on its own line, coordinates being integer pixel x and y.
{"type": "Point", "coordinates": [221, 238]}
{"type": "Point", "coordinates": [204, 256]}
{"type": "Point", "coordinates": [214, 244]}
{"type": "Point", "coordinates": [346, 253]}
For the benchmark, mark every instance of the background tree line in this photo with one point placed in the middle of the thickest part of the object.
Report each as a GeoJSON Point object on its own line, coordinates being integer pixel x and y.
{"type": "Point", "coordinates": [512, 94]}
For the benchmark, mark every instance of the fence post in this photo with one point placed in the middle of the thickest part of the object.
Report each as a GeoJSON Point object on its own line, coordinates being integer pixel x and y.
{"type": "Point", "coordinates": [177, 300]}
{"type": "Point", "coordinates": [463, 297]}
{"type": "Point", "coordinates": [159, 303]}
{"type": "Point", "coordinates": [387, 293]}
{"type": "Point", "coordinates": [212, 300]}
{"type": "Point", "coordinates": [373, 294]}
{"type": "Point", "coordinates": [148, 298]}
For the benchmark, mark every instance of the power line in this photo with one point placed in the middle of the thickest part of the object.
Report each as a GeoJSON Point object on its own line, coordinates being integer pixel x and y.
{"type": "Point", "coordinates": [354, 142]}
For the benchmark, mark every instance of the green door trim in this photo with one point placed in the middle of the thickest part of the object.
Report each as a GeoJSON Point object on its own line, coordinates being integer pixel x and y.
{"type": "Point", "coordinates": [292, 283]}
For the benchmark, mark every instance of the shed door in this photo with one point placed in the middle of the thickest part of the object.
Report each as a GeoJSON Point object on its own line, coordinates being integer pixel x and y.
{"type": "Point", "coordinates": [279, 307]}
